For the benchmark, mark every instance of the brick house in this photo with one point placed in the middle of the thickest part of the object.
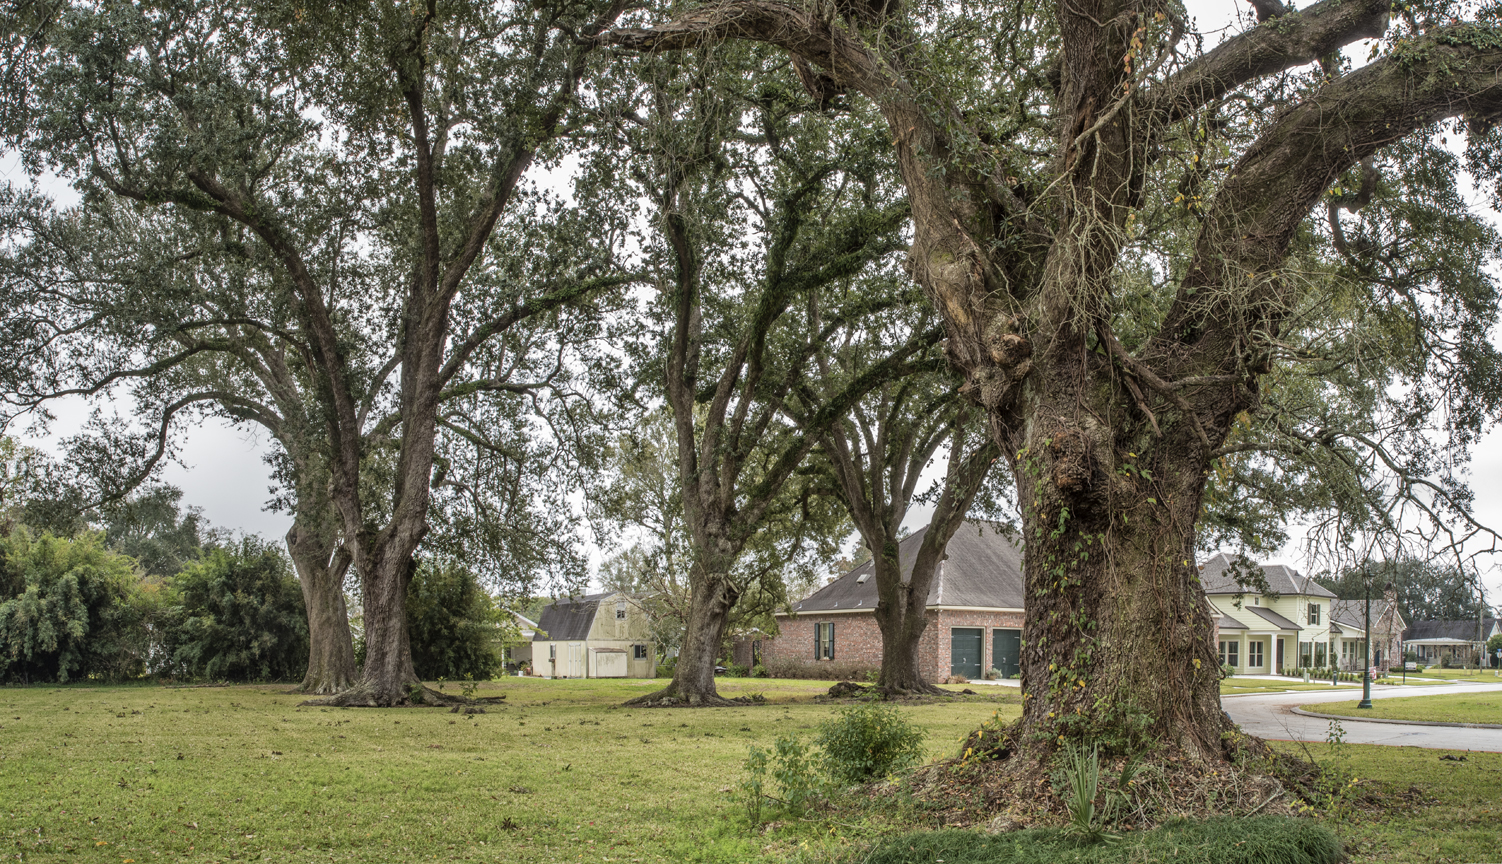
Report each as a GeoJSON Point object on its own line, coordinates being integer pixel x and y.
{"type": "Point", "coordinates": [974, 610]}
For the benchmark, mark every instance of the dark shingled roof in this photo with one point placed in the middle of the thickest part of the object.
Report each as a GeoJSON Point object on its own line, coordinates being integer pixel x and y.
{"type": "Point", "coordinates": [1218, 578]}
{"type": "Point", "coordinates": [1455, 631]}
{"type": "Point", "coordinates": [982, 568]}
{"type": "Point", "coordinates": [1272, 618]}
{"type": "Point", "coordinates": [568, 618]}
{"type": "Point", "coordinates": [1229, 623]}
{"type": "Point", "coordinates": [1353, 612]}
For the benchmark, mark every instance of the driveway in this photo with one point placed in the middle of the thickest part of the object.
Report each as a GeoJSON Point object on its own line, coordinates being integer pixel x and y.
{"type": "Point", "coordinates": [1270, 716]}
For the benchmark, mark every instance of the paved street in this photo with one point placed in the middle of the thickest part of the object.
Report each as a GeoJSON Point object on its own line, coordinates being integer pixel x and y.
{"type": "Point", "coordinates": [1270, 716]}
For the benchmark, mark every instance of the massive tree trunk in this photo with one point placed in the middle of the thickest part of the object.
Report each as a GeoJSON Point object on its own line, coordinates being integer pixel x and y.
{"type": "Point", "coordinates": [693, 683]}
{"type": "Point", "coordinates": [320, 570]}
{"type": "Point", "coordinates": [902, 616]}
{"type": "Point", "coordinates": [388, 677]}
{"type": "Point", "coordinates": [1117, 640]}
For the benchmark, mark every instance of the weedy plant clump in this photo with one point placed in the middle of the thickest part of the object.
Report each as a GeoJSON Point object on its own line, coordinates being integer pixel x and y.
{"type": "Point", "coordinates": [865, 742]}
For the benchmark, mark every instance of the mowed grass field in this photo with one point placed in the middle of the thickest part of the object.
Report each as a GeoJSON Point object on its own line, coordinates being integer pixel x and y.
{"type": "Point", "coordinates": [1446, 708]}
{"type": "Point", "coordinates": [557, 774]}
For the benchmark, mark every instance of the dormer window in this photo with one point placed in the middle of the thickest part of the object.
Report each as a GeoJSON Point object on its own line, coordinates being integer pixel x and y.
{"type": "Point", "coordinates": [620, 610]}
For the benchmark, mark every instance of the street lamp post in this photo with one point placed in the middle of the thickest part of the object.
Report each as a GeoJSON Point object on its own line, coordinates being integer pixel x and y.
{"type": "Point", "coordinates": [1366, 665]}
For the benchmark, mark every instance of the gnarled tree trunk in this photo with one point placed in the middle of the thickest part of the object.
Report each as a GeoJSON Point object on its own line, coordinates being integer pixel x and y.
{"type": "Point", "coordinates": [320, 570]}
{"type": "Point", "coordinates": [693, 675]}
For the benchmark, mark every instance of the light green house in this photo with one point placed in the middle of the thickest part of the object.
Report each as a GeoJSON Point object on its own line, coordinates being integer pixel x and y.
{"type": "Point", "coordinates": [1263, 633]}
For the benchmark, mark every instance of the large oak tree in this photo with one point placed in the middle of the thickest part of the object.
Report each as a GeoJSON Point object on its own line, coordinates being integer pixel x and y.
{"type": "Point", "coordinates": [288, 214]}
{"type": "Point", "coordinates": [1033, 139]}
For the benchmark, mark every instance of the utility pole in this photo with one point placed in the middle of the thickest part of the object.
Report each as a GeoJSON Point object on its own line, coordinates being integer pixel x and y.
{"type": "Point", "coordinates": [1366, 661]}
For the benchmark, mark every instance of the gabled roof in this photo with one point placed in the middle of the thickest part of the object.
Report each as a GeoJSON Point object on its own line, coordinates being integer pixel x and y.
{"type": "Point", "coordinates": [1218, 576]}
{"type": "Point", "coordinates": [981, 568]}
{"type": "Point", "coordinates": [1353, 612]}
{"type": "Point", "coordinates": [1449, 631]}
{"type": "Point", "coordinates": [1272, 618]}
{"type": "Point", "coordinates": [569, 618]}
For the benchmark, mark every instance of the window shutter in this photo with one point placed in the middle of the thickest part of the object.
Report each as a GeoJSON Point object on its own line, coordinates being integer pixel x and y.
{"type": "Point", "coordinates": [831, 640]}
{"type": "Point", "coordinates": [818, 631]}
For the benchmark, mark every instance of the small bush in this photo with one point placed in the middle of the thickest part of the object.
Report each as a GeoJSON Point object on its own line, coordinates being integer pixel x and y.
{"type": "Point", "coordinates": [736, 670]}
{"type": "Point", "coordinates": [1225, 840]}
{"type": "Point", "coordinates": [760, 671]}
{"type": "Point", "coordinates": [868, 741]}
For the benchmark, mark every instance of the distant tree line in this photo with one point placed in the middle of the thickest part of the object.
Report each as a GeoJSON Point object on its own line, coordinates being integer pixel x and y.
{"type": "Point", "coordinates": [147, 589]}
{"type": "Point", "coordinates": [1426, 590]}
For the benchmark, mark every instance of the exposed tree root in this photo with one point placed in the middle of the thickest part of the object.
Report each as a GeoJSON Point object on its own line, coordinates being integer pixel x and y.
{"type": "Point", "coordinates": [669, 697]}
{"type": "Point", "coordinates": [323, 686]}
{"type": "Point", "coordinates": [997, 784]}
{"type": "Point", "coordinates": [416, 694]}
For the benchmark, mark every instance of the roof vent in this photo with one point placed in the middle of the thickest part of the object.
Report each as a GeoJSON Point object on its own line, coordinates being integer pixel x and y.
{"type": "Point", "coordinates": [861, 579]}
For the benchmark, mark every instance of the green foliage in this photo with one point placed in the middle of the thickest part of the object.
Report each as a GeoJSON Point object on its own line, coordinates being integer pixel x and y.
{"type": "Point", "coordinates": [150, 527]}
{"type": "Point", "coordinates": [1081, 784]}
{"type": "Point", "coordinates": [752, 788]}
{"type": "Point", "coordinates": [1259, 840]}
{"type": "Point", "coordinates": [240, 616]}
{"type": "Point", "coordinates": [1427, 590]}
{"type": "Point", "coordinates": [798, 773]}
{"type": "Point", "coordinates": [453, 624]}
{"type": "Point", "coordinates": [869, 741]}
{"type": "Point", "coordinates": [71, 609]}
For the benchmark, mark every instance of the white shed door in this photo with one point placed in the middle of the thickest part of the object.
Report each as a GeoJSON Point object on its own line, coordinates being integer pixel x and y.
{"type": "Point", "coordinates": [610, 664]}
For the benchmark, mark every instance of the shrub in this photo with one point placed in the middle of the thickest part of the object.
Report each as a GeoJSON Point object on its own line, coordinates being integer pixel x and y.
{"type": "Point", "coordinates": [798, 777]}
{"type": "Point", "coordinates": [69, 609]}
{"type": "Point", "coordinates": [868, 741]}
{"type": "Point", "coordinates": [820, 670]}
{"type": "Point", "coordinates": [1225, 840]}
{"type": "Point", "coordinates": [736, 670]}
{"type": "Point", "coordinates": [240, 616]}
{"type": "Point", "coordinates": [759, 671]}
{"type": "Point", "coordinates": [451, 621]}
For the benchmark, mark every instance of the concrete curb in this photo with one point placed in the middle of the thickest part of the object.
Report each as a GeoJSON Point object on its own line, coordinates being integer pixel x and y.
{"type": "Point", "coordinates": [1302, 713]}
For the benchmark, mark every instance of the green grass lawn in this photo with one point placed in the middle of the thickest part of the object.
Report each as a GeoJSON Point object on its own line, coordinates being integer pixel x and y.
{"type": "Point", "coordinates": [1434, 673]}
{"type": "Point", "coordinates": [1233, 685]}
{"type": "Point", "coordinates": [216, 774]}
{"type": "Point", "coordinates": [1460, 822]}
{"type": "Point", "coordinates": [559, 774]}
{"type": "Point", "coordinates": [1448, 708]}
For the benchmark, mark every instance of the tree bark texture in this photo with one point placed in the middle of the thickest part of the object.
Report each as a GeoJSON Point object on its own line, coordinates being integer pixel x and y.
{"type": "Point", "coordinates": [331, 651]}
{"type": "Point", "coordinates": [1110, 446]}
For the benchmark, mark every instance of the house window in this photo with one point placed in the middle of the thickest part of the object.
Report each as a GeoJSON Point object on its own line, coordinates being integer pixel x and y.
{"type": "Point", "coordinates": [1319, 654]}
{"type": "Point", "coordinates": [1306, 654]}
{"type": "Point", "coordinates": [620, 611]}
{"type": "Point", "coordinates": [1256, 601]}
{"type": "Point", "coordinates": [639, 652]}
{"type": "Point", "coordinates": [1254, 653]}
{"type": "Point", "coordinates": [824, 641]}
{"type": "Point", "coordinates": [552, 652]}
{"type": "Point", "coordinates": [1313, 613]}
{"type": "Point", "coordinates": [1228, 652]}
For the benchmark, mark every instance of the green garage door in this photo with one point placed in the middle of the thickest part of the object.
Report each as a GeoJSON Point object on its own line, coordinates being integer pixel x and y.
{"type": "Point", "coordinates": [965, 647]}
{"type": "Point", "coordinates": [1006, 652]}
